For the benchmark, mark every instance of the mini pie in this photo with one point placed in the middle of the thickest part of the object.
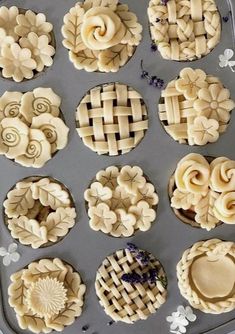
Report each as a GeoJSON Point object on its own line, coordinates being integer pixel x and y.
{"type": "Point", "coordinates": [127, 302]}
{"type": "Point", "coordinates": [101, 35]}
{"type": "Point", "coordinates": [202, 191]}
{"type": "Point", "coordinates": [39, 211]}
{"type": "Point", "coordinates": [27, 43]}
{"type": "Point", "coordinates": [184, 30]}
{"type": "Point", "coordinates": [121, 201]}
{"type": "Point", "coordinates": [31, 126]}
{"type": "Point", "coordinates": [195, 108]}
{"type": "Point", "coordinates": [206, 276]}
{"type": "Point", "coordinates": [112, 119]}
{"type": "Point", "coordinates": [47, 295]}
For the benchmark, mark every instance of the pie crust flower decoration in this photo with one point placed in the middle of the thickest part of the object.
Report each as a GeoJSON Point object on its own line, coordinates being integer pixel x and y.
{"type": "Point", "coordinates": [225, 59]}
{"type": "Point", "coordinates": [26, 43]}
{"type": "Point", "coordinates": [39, 211]}
{"type": "Point", "coordinates": [14, 138]}
{"type": "Point", "coordinates": [10, 105]}
{"type": "Point", "coordinates": [31, 22]}
{"type": "Point", "coordinates": [204, 130]}
{"type": "Point", "coordinates": [17, 62]}
{"type": "Point", "coordinates": [180, 319]}
{"type": "Point", "coordinates": [214, 204]}
{"type": "Point", "coordinates": [190, 82]}
{"type": "Point", "coordinates": [118, 208]}
{"type": "Point", "coordinates": [47, 295]}
{"type": "Point", "coordinates": [100, 36]}
{"type": "Point", "coordinates": [214, 102]}
{"type": "Point", "coordinates": [40, 48]}
{"type": "Point", "coordinates": [10, 254]}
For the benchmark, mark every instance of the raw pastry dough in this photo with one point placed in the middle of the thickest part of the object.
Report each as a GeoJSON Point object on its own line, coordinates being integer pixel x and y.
{"type": "Point", "coordinates": [206, 276]}
{"type": "Point", "coordinates": [203, 194]}
{"type": "Point", "coordinates": [26, 43]}
{"type": "Point", "coordinates": [47, 295]}
{"type": "Point", "coordinates": [31, 126]}
{"type": "Point", "coordinates": [122, 202]}
{"type": "Point", "coordinates": [123, 301]}
{"type": "Point", "coordinates": [195, 108]}
{"type": "Point", "coordinates": [112, 119]}
{"type": "Point", "coordinates": [39, 211]}
{"type": "Point", "coordinates": [100, 35]}
{"type": "Point", "coordinates": [184, 30]}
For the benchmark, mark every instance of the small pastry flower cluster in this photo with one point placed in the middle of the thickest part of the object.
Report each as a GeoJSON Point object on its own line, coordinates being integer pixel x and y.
{"type": "Point", "coordinates": [100, 35]}
{"type": "Point", "coordinates": [31, 129]}
{"type": "Point", "coordinates": [121, 201]}
{"type": "Point", "coordinates": [47, 295]}
{"type": "Point", "coordinates": [207, 190]}
{"type": "Point", "coordinates": [39, 211]}
{"type": "Point", "coordinates": [25, 43]}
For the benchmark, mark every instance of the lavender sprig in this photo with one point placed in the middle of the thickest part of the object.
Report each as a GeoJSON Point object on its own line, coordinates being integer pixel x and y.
{"type": "Point", "coordinates": [151, 277]}
{"type": "Point", "coordinates": [152, 80]}
{"type": "Point", "coordinates": [227, 17]}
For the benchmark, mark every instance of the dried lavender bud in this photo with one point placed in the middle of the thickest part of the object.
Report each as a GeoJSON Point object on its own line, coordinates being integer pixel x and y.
{"type": "Point", "coordinates": [152, 275]}
{"type": "Point", "coordinates": [153, 47]}
{"type": "Point", "coordinates": [145, 278]}
{"type": "Point", "coordinates": [131, 278]}
{"type": "Point", "coordinates": [225, 19]}
{"type": "Point", "coordinates": [85, 328]}
{"type": "Point", "coordinates": [132, 247]}
{"type": "Point", "coordinates": [110, 323]}
{"type": "Point", "coordinates": [164, 2]}
{"type": "Point", "coordinates": [143, 258]}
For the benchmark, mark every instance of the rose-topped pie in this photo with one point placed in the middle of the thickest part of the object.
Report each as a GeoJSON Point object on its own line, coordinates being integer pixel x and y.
{"type": "Point", "coordinates": [112, 119]}
{"type": "Point", "coordinates": [121, 201]}
{"type": "Point", "coordinates": [47, 295]}
{"type": "Point", "coordinates": [100, 35]}
{"type": "Point", "coordinates": [184, 30]}
{"type": "Point", "coordinates": [206, 276]}
{"type": "Point", "coordinates": [32, 128]}
{"type": "Point", "coordinates": [195, 108]}
{"type": "Point", "coordinates": [39, 211]}
{"type": "Point", "coordinates": [131, 284]}
{"type": "Point", "coordinates": [27, 43]}
{"type": "Point", "coordinates": [202, 191]}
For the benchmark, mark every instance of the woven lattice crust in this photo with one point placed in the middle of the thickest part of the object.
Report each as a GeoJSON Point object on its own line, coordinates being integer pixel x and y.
{"type": "Point", "coordinates": [112, 119]}
{"type": "Point", "coordinates": [123, 301]}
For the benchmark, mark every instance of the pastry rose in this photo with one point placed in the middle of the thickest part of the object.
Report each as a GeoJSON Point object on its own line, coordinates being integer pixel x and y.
{"type": "Point", "coordinates": [224, 208]}
{"type": "Point", "coordinates": [223, 175]}
{"type": "Point", "coordinates": [192, 174]}
{"type": "Point", "coordinates": [101, 28]}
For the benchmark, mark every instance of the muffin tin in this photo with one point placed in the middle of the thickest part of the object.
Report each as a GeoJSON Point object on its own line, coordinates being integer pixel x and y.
{"type": "Point", "coordinates": [76, 165]}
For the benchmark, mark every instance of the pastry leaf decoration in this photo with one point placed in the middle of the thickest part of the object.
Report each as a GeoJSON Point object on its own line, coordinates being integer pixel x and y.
{"type": "Point", "coordinates": [17, 293]}
{"type": "Point", "coordinates": [204, 211]}
{"type": "Point", "coordinates": [114, 57]}
{"type": "Point", "coordinates": [50, 194]}
{"type": "Point", "coordinates": [58, 223]}
{"type": "Point", "coordinates": [133, 28]}
{"type": "Point", "coordinates": [28, 231]}
{"type": "Point", "coordinates": [85, 59]}
{"type": "Point", "coordinates": [44, 268]}
{"type": "Point", "coordinates": [33, 323]}
{"type": "Point", "coordinates": [71, 29]}
{"type": "Point", "coordinates": [19, 200]}
{"type": "Point", "coordinates": [100, 3]}
{"type": "Point", "coordinates": [65, 317]}
{"type": "Point", "coordinates": [75, 290]}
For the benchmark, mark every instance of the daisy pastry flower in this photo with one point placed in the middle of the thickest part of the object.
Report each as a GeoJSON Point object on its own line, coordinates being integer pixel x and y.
{"type": "Point", "coordinates": [8, 20]}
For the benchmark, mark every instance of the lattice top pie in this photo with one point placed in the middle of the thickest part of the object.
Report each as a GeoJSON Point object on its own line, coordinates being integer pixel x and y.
{"type": "Point", "coordinates": [195, 108]}
{"type": "Point", "coordinates": [130, 301]}
{"type": "Point", "coordinates": [112, 119]}
{"type": "Point", "coordinates": [184, 30]}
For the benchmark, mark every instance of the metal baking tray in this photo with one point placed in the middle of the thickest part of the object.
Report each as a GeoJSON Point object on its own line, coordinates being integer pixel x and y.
{"type": "Point", "coordinates": [76, 166]}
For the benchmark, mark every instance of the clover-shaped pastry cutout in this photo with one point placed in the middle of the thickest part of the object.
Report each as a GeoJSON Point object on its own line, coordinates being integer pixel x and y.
{"type": "Point", "coordinates": [43, 293]}
{"type": "Point", "coordinates": [39, 211]}
{"type": "Point", "coordinates": [100, 35]}
{"type": "Point", "coordinates": [116, 211]}
{"type": "Point", "coordinates": [204, 130]}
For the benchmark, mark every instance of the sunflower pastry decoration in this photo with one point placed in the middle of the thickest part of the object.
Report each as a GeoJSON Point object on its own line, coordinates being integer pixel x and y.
{"type": "Point", "coordinates": [27, 44]}
{"type": "Point", "coordinates": [47, 295]}
{"type": "Point", "coordinates": [121, 201]}
{"type": "Point", "coordinates": [184, 30]}
{"type": "Point", "coordinates": [100, 35]}
{"type": "Point", "coordinates": [206, 276]}
{"type": "Point", "coordinates": [112, 119]}
{"type": "Point", "coordinates": [31, 126]}
{"type": "Point", "coordinates": [131, 284]}
{"type": "Point", "coordinates": [202, 191]}
{"type": "Point", "coordinates": [195, 108]}
{"type": "Point", "coordinates": [39, 211]}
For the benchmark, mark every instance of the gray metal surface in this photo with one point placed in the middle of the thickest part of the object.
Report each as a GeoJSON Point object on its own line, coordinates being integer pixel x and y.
{"type": "Point", "coordinates": [76, 165]}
